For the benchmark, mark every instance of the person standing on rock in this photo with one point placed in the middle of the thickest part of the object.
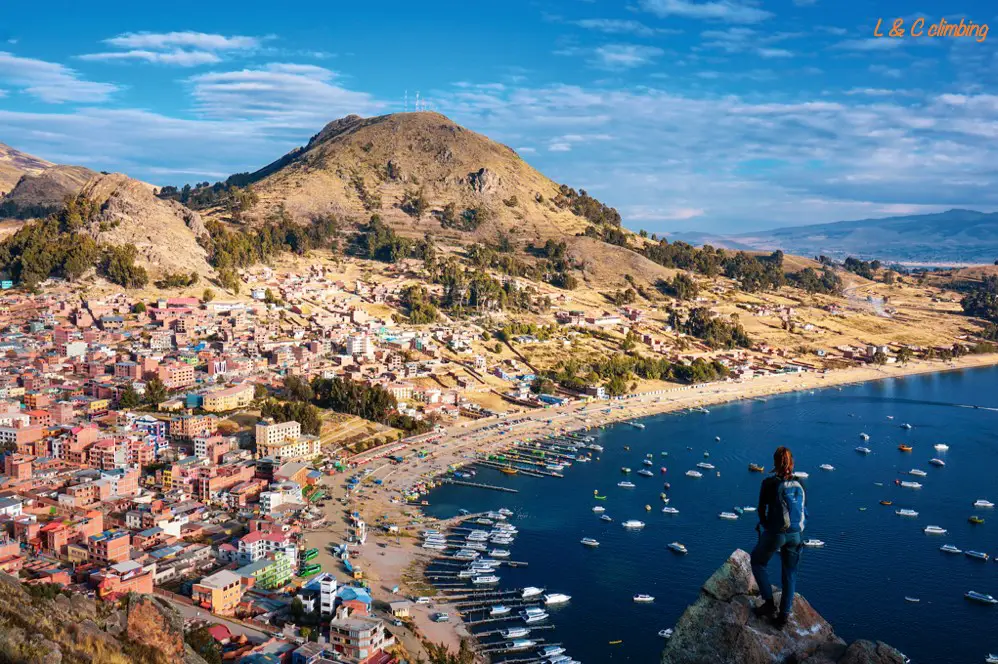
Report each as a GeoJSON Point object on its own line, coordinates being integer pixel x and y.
{"type": "Point", "coordinates": [782, 515]}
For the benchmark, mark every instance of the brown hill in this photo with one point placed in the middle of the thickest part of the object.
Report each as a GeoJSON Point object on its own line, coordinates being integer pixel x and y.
{"type": "Point", "coordinates": [38, 194]}
{"type": "Point", "coordinates": [358, 166]}
{"type": "Point", "coordinates": [14, 164]}
{"type": "Point", "coordinates": [164, 232]}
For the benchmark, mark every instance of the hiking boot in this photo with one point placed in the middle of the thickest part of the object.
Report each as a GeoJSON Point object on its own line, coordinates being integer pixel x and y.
{"type": "Point", "coordinates": [780, 621]}
{"type": "Point", "coordinates": [765, 610]}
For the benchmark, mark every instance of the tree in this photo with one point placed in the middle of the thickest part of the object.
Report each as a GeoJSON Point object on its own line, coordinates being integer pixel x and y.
{"type": "Point", "coordinates": [904, 355]}
{"type": "Point", "coordinates": [118, 265]}
{"type": "Point", "coordinates": [616, 386]}
{"type": "Point", "coordinates": [297, 609]}
{"type": "Point", "coordinates": [139, 308]}
{"type": "Point", "coordinates": [204, 644]}
{"type": "Point", "coordinates": [208, 295]}
{"type": "Point", "coordinates": [155, 392]}
{"type": "Point", "coordinates": [542, 386]}
{"type": "Point", "coordinates": [306, 632]}
{"type": "Point", "coordinates": [129, 398]}
{"type": "Point", "coordinates": [880, 358]}
{"type": "Point", "coordinates": [297, 389]}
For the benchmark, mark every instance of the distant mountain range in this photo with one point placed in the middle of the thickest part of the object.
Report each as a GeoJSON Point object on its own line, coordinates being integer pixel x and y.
{"type": "Point", "coordinates": [951, 237]}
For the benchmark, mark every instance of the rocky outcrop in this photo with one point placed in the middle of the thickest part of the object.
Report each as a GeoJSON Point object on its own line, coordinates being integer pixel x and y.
{"type": "Point", "coordinates": [720, 628]}
{"type": "Point", "coordinates": [483, 181]}
{"type": "Point", "coordinates": [39, 194]}
{"type": "Point", "coordinates": [38, 626]}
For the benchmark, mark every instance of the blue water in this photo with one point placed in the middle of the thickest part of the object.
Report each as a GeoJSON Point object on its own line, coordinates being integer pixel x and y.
{"type": "Point", "coordinates": [872, 559]}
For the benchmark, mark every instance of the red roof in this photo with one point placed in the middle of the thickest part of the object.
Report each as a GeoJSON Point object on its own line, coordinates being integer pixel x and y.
{"type": "Point", "coordinates": [220, 633]}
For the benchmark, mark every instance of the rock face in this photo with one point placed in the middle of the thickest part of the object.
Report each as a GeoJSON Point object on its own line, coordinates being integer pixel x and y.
{"type": "Point", "coordinates": [164, 232]}
{"type": "Point", "coordinates": [14, 164]}
{"type": "Point", "coordinates": [720, 628]}
{"type": "Point", "coordinates": [39, 194]}
{"type": "Point", "coordinates": [36, 628]}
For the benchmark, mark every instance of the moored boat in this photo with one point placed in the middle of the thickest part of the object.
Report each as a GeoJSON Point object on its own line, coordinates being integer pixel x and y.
{"type": "Point", "coordinates": [642, 598]}
{"type": "Point", "coordinates": [863, 450]}
{"type": "Point", "coordinates": [949, 548]}
{"type": "Point", "coordinates": [625, 485]}
{"type": "Point", "coordinates": [906, 512]}
{"type": "Point", "coordinates": [556, 598]}
{"type": "Point", "coordinates": [669, 510]}
{"type": "Point", "coordinates": [693, 473]}
{"type": "Point", "coordinates": [530, 591]}
{"type": "Point", "coordinates": [589, 541]}
{"type": "Point", "coordinates": [814, 543]}
{"type": "Point", "coordinates": [983, 598]}
{"type": "Point", "coordinates": [904, 448]}
{"type": "Point", "coordinates": [934, 530]}
{"type": "Point", "coordinates": [980, 555]}
{"type": "Point", "coordinates": [983, 503]}
{"type": "Point", "coordinates": [937, 462]}
{"type": "Point", "coordinates": [633, 524]}
{"type": "Point", "coordinates": [756, 468]}
{"type": "Point", "coordinates": [678, 548]}
{"type": "Point", "coordinates": [730, 516]}
{"type": "Point", "coordinates": [827, 466]}
{"type": "Point", "coordinates": [976, 520]}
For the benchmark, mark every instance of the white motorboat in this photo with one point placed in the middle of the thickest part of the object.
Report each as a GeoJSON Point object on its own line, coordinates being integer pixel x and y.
{"type": "Point", "coordinates": [937, 462]}
{"type": "Point", "coordinates": [625, 485]}
{"type": "Point", "coordinates": [647, 462]}
{"type": "Point", "coordinates": [693, 473]}
{"type": "Point", "coordinates": [633, 524]}
{"type": "Point", "coordinates": [864, 436]}
{"type": "Point", "coordinates": [827, 466]}
{"type": "Point", "coordinates": [637, 425]}
{"type": "Point", "coordinates": [911, 485]}
{"type": "Point", "coordinates": [980, 597]}
{"type": "Point", "coordinates": [499, 610]}
{"type": "Point", "coordinates": [514, 632]}
{"type": "Point", "coordinates": [705, 466]}
{"type": "Point", "coordinates": [730, 516]}
{"type": "Point", "coordinates": [906, 512]}
{"type": "Point", "coordinates": [533, 615]}
{"type": "Point", "coordinates": [863, 450]}
{"type": "Point", "coordinates": [606, 517]}
{"type": "Point", "coordinates": [486, 580]}
{"type": "Point", "coordinates": [749, 508]}
{"type": "Point", "coordinates": [530, 591]}
{"type": "Point", "coordinates": [801, 475]}
{"type": "Point", "coordinates": [983, 503]}
{"type": "Point", "coordinates": [646, 473]}
{"type": "Point", "coordinates": [520, 644]}
{"type": "Point", "coordinates": [499, 553]}
{"type": "Point", "coordinates": [917, 473]}
{"type": "Point", "coordinates": [665, 633]}
{"type": "Point", "coordinates": [942, 447]}
{"type": "Point", "coordinates": [949, 548]}
{"type": "Point", "coordinates": [550, 651]}
{"type": "Point", "coordinates": [625, 470]}
{"type": "Point", "coordinates": [991, 659]}
{"type": "Point", "coordinates": [505, 512]}
{"type": "Point", "coordinates": [669, 510]}
{"type": "Point", "coordinates": [589, 541]}
{"type": "Point", "coordinates": [934, 530]}
{"type": "Point", "coordinates": [599, 509]}
{"type": "Point", "coordinates": [814, 543]}
{"type": "Point", "coordinates": [556, 598]}
{"type": "Point", "coordinates": [678, 548]}
{"type": "Point", "coordinates": [906, 426]}
{"type": "Point", "coordinates": [642, 598]}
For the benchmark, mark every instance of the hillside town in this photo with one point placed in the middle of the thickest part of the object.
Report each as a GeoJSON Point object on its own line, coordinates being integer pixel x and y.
{"type": "Point", "coordinates": [138, 457]}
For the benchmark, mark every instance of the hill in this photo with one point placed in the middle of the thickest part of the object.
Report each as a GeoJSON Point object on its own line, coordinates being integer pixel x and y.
{"type": "Point", "coordinates": [951, 237]}
{"type": "Point", "coordinates": [14, 164]}
{"type": "Point", "coordinates": [38, 194]}
{"type": "Point", "coordinates": [420, 172]}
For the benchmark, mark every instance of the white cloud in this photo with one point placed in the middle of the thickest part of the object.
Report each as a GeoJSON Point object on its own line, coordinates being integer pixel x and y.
{"type": "Point", "coordinates": [614, 26]}
{"type": "Point", "coordinates": [177, 57]}
{"type": "Point", "coordinates": [805, 3]}
{"type": "Point", "coordinates": [740, 39]}
{"type": "Point", "coordinates": [775, 53]}
{"type": "Point", "coordinates": [624, 56]}
{"type": "Point", "coordinates": [51, 82]}
{"type": "Point", "coordinates": [728, 11]}
{"type": "Point", "coordinates": [293, 95]}
{"type": "Point", "coordinates": [871, 44]}
{"type": "Point", "coordinates": [197, 40]}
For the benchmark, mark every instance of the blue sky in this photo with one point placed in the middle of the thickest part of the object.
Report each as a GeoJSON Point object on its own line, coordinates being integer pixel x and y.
{"type": "Point", "coordinates": [713, 115]}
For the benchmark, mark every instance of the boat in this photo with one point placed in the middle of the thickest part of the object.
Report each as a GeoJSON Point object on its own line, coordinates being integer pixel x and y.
{"type": "Point", "coordinates": [615, 642]}
{"type": "Point", "coordinates": [730, 516]}
{"type": "Point", "coordinates": [886, 502]}
{"type": "Point", "coordinates": [556, 598]}
{"type": "Point", "coordinates": [738, 510]}
{"type": "Point", "coordinates": [589, 541]}
{"type": "Point", "coordinates": [942, 447]}
{"type": "Point", "coordinates": [977, 554]}
{"type": "Point", "coordinates": [669, 510]}
{"type": "Point", "coordinates": [499, 553]}
{"type": "Point", "coordinates": [983, 503]}
{"type": "Point", "coordinates": [975, 596]}
{"type": "Point", "coordinates": [486, 580]}
{"type": "Point", "coordinates": [917, 473]}
{"type": "Point", "coordinates": [642, 598]}
{"type": "Point", "coordinates": [827, 466]}
{"type": "Point", "coordinates": [597, 497]}
{"type": "Point", "coordinates": [530, 591]}
{"type": "Point", "coordinates": [906, 512]}
{"type": "Point", "coordinates": [913, 600]}
{"type": "Point", "coordinates": [665, 633]}
{"type": "Point", "coordinates": [693, 473]}
{"type": "Point", "coordinates": [606, 518]}
{"type": "Point", "coordinates": [514, 632]}
{"type": "Point", "coordinates": [705, 466]}
{"type": "Point", "coordinates": [717, 438]}
{"type": "Point", "coordinates": [637, 425]}
{"type": "Point", "coordinates": [625, 485]}
{"type": "Point", "coordinates": [505, 512]}
{"type": "Point", "coordinates": [906, 426]}
{"type": "Point", "coordinates": [949, 548]}
{"type": "Point", "coordinates": [801, 475]}
{"type": "Point", "coordinates": [749, 508]}
{"type": "Point", "coordinates": [647, 508]}
{"type": "Point", "coordinates": [904, 448]}
{"type": "Point", "coordinates": [646, 473]}
{"type": "Point", "coordinates": [550, 651]}
{"type": "Point", "coordinates": [991, 659]}
{"type": "Point", "coordinates": [663, 470]}
{"type": "Point", "coordinates": [934, 530]}
{"type": "Point", "coordinates": [648, 462]}
{"type": "Point", "coordinates": [499, 610]}
{"type": "Point", "coordinates": [533, 615]}
{"type": "Point", "coordinates": [864, 436]}
{"type": "Point", "coordinates": [599, 509]}
{"type": "Point", "coordinates": [976, 520]}
{"type": "Point", "coordinates": [508, 471]}
{"type": "Point", "coordinates": [678, 548]}
{"type": "Point", "coordinates": [633, 524]}
{"type": "Point", "coordinates": [937, 462]}
{"type": "Point", "coordinates": [863, 450]}
{"type": "Point", "coordinates": [756, 468]}
{"type": "Point", "coordinates": [814, 543]}
{"type": "Point", "coordinates": [910, 485]}
{"type": "Point", "coordinates": [625, 470]}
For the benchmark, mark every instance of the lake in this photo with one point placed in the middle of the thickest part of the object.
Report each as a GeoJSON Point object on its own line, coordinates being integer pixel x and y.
{"type": "Point", "coordinates": [858, 581]}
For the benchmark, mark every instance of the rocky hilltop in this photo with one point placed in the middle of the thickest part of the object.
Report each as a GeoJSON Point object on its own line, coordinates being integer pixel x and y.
{"type": "Point", "coordinates": [720, 628]}
{"type": "Point", "coordinates": [44, 627]}
{"type": "Point", "coordinates": [39, 194]}
{"type": "Point", "coordinates": [14, 164]}
{"type": "Point", "coordinates": [164, 232]}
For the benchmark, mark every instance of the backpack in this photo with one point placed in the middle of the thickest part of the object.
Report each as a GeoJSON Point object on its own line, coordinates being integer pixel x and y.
{"type": "Point", "coordinates": [792, 501]}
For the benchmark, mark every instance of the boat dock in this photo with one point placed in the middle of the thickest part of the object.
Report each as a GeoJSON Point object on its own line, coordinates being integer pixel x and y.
{"type": "Point", "coordinates": [478, 485]}
{"type": "Point", "coordinates": [498, 632]}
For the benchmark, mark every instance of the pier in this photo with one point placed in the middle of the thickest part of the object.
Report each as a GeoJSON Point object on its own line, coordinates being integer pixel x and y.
{"type": "Point", "coordinates": [478, 485]}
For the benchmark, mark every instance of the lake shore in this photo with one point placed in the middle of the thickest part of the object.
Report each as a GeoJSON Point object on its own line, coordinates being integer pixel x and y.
{"type": "Point", "coordinates": [389, 560]}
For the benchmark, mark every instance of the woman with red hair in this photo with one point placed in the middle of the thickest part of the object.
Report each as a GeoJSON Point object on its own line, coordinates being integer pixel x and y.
{"type": "Point", "coordinates": [782, 515]}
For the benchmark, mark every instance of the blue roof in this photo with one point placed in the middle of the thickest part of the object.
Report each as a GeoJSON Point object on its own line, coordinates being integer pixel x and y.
{"type": "Point", "coordinates": [166, 551]}
{"type": "Point", "coordinates": [348, 593]}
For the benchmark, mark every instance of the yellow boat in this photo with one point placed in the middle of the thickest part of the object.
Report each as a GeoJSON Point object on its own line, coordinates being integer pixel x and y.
{"type": "Point", "coordinates": [615, 643]}
{"type": "Point", "coordinates": [509, 471]}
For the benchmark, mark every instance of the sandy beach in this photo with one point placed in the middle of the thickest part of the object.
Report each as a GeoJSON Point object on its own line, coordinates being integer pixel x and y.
{"type": "Point", "coordinates": [390, 560]}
